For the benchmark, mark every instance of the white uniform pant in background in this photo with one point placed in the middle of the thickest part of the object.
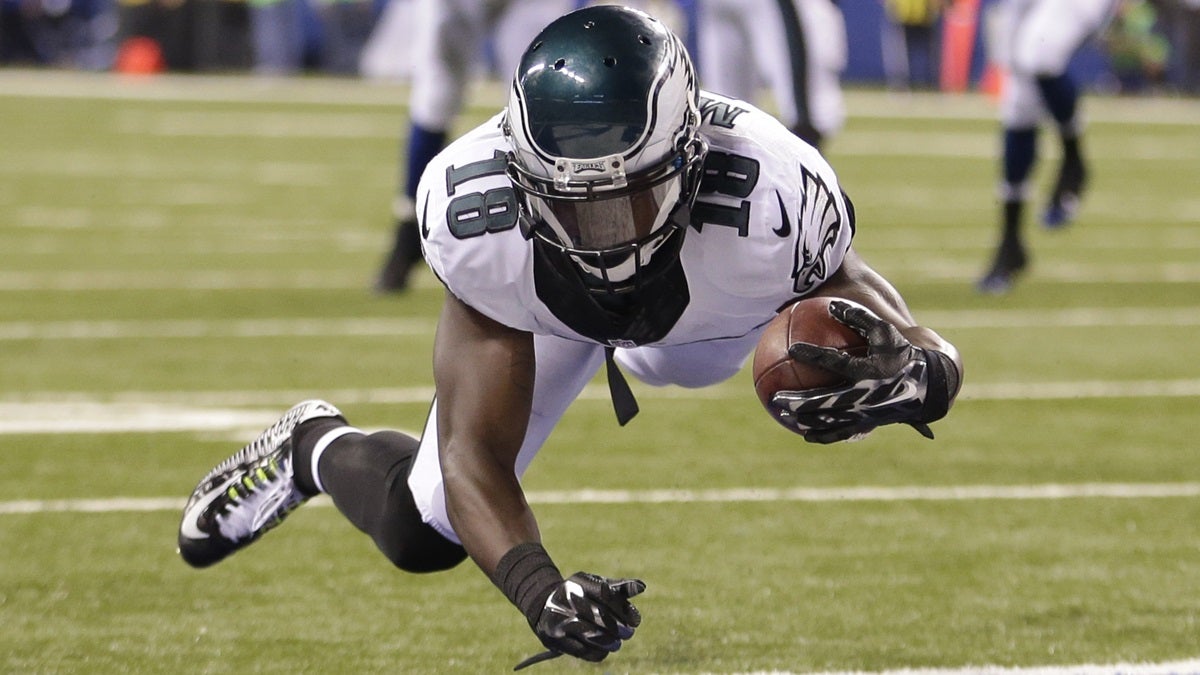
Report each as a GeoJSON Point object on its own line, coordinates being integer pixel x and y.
{"type": "Point", "coordinates": [1038, 39]}
{"type": "Point", "coordinates": [796, 48]}
{"type": "Point", "coordinates": [448, 48]}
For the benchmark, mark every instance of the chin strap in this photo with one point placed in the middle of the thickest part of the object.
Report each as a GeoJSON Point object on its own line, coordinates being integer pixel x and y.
{"type": "Point", "coordinates": [624, 404]}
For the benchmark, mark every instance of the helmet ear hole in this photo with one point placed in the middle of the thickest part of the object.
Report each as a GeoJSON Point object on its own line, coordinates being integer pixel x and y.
{"type": "Point", "coordinates": [610, 61]}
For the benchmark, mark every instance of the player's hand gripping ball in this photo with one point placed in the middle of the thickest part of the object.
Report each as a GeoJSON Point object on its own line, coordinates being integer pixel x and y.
{"type": "Point", "coordinates": [806, 320]}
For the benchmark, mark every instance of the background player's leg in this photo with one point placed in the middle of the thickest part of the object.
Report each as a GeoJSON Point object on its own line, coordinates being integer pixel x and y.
{"type": "Point", "coordinates": [1061, 98]}
{"type": "Point", "coordinates": [449, 35]}
{"type": "Point", "coordinates": [1020, 111]}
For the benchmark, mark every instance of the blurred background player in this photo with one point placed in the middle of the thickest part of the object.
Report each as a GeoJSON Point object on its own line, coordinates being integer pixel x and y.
{"type": "Point", "coordinates": [1138, 52]}
{"type": "Point", "coordinates": [797, 48]}
{"type": "Point", "coordinates": [277, 30]}
{"type": "Point", "coordinates": [451, 36]}
{"type": "Point", "coordinates": [1039, 38]}
{"type": "Point", "coordinates": [911, 41]}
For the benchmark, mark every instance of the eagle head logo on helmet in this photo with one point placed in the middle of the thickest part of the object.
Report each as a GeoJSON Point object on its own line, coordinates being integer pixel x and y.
{"type": "Point", "coordinates": [603, 120]}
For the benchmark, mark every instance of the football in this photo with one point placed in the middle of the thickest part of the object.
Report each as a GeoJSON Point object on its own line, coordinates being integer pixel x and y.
{"type": "Point", "coordinates": [806, 320]}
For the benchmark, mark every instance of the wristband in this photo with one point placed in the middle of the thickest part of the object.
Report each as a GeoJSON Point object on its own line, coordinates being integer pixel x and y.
{"type": "Point", "coordinates": [942, 382]}
{"type": "Point", "coordinates": [527, 576]}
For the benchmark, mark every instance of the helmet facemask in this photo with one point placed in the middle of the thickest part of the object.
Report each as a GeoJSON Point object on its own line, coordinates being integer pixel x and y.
{"type": "Point", "coordinates": [606, 156]}
{"type": "Point", "coordinates": [610, 235]}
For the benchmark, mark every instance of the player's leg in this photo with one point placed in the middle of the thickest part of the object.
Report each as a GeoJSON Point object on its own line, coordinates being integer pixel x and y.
{"type": "Point", "coordinates": [1054, 31]}
{"type": "Point", "coordinates": [725, 63]}
{"type": "Point", "coordinates": [783, 50]}
{"type": "Point", "coordinates": [312, 449]}
{"type": "Point", "coordinates": [366, 475]}
{"type": "Point", "coordinates": [387, 484]}
{"type": "Point", "coordinates": [826, 50]}
{"type": "Point", "coordinates": [277, 31]}
{"type": "Point", "coordinates": [448, 37]}
{"type": "Point", "coordinates": [1060, 95]}
{"type": "Point", "coordinates": [1020, 110]}
{"type": "Point", "coordinates": [923, 55]}
{"type": "Point", "coordinates": [896, 54]}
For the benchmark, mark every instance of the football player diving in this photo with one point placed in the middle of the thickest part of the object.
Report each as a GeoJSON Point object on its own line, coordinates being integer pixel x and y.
{"type": "Point", "coordinates": [611, 215]}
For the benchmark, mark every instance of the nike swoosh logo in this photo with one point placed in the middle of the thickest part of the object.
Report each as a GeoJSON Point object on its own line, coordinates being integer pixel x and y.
{"type": "Point", "coordinates": [188, 527]}
{"type": "Point", "coordinates": [786, 228]}
{"type": "Point", "coordinates": [425, 220]}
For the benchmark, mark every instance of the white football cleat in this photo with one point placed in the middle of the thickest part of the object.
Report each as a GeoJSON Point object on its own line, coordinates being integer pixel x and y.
{"type": "Point", "coordinates": [247, 494]}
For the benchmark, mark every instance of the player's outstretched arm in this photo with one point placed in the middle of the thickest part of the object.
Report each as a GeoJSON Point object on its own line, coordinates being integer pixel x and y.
{"type": "Point", "coordinates": [909, 375]}
{"type": "Point", "coordinates": [484, 373]}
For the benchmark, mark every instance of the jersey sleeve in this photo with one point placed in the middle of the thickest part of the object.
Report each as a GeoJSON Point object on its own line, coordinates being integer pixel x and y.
{"type": "Point", "coordinates": [794, 223]}
{"type": "Point", "coordinates": [470, 237]}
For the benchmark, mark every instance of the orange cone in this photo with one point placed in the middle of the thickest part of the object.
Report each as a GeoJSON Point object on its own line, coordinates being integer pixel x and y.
{"type": "Point", "coordinates": [139, 56]}
{"type": "Point", "coordinates": [958, 44]}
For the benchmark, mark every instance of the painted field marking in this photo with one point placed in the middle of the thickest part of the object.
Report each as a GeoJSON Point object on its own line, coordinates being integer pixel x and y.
{"type": "Point", "coordinates": [1184, 667]}
{"type": "Point", "coordinates": [139, 329]}
{"type": "Point", "coordinates": [174, 412]}
{"type": "Point", "coordinates": [936, 270]}
{"type": "Point", "coordinates": [487, 95]}
{"type": "Point", "coordinates": [1049, 491]}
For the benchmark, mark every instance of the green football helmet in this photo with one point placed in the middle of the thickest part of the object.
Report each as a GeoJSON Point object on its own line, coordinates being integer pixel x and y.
{"type": "Point", "coordinates": [603, 118]}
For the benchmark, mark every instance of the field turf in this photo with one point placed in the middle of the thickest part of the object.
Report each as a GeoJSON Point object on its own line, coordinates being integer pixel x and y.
{"type": "Point", "coordinates": [181, 259]}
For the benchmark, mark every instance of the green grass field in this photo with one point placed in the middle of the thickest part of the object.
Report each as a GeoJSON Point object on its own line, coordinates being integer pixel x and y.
{"type": "Point", "coordinates": [183, 259]}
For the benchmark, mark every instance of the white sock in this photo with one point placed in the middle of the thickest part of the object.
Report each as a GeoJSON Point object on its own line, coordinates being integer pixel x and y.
{"type": "Point", "coordinates": [322, 444]}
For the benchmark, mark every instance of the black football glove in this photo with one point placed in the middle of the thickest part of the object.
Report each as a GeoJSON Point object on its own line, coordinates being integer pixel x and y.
{"type": "Point", "coordinates": [589, 616]}
{"type": "Point", "coordinates": [895, 382]}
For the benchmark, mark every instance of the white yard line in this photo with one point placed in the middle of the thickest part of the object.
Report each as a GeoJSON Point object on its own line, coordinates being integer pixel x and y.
{"type": "Point", "coordinates": [1081, 389]}
{"type": "Point", "coordinates": [1071, 317]}
{"type": "Point", "coordinates": [487, 95]}
{"type": "Point", "coordinates": [1063, 272]}
{"type": "Point", "coordinates": [206, 280]}
{"type": "Point", "coordinates": [201, 89]}
{"type": "Point", "coordinates": [140, 329]}
{"type": "Point", "coordinates": [198, 328]}
{"type": "Point", "coordinates": [873, 494]}
{"type": "Point", "coordinates": [969, 145]}
{"type": "Point", "coordinates": [50, 412]}
{"type": "Point", "coordinates": [248, 124]}
{"type": "Point", "coordinates": [1050, 491]}
{"type": "Point", "coordinates": [1186, 667]}
{"type": "Point", "coordinates": [929, 271]}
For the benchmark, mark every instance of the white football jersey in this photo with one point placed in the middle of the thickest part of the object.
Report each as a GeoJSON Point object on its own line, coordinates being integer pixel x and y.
{"type": "Point", "coordinates": [770, 224]}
